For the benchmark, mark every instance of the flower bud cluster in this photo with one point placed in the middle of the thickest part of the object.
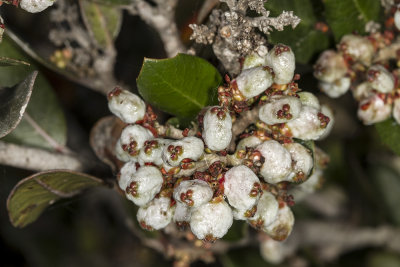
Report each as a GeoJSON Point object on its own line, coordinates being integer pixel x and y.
{"type": "Point", "coordinates": [34, 6]}
{"type": "Point", "coordinates": [363, 64]}
{"type": "Point", "coordinates": [208, 176]}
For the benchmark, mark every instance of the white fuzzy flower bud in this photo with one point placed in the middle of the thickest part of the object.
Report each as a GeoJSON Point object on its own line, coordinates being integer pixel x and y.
{"type": "Point", "coordinates": [211, 220]}
{"type": "Point", "coordinates": [133, 137]}
{"type": "Point", "coordinates": [182, 214]}
{"type": "Point", "coordinates": [277, 165]}
{"type": "Point", "coordinates": [255, 60]}
{"type": "Point", "coordinates": [302, 161]}
{"type": "Point", "coordinates": [272, 251]}
{"type": "Point", "coordinates": [267, 211]}
{"type": "Point", "coordinates": [380, 79]}
{"type": "Point", "coordinates": [144, 185]}
{"type": "Point", "coordinates": [217, 133]}
{"type": "Point", "coordinates": [397, 19]}
{"type": "Point", "coordinates": [186, 148]}
{"type": "Point", "coordinates": [396, 110]}
{"type": "Point", "coordinates": [156, 214]}
{"type": "Point", "coordinates": [373, 110]}
{"type": "Point", "coordinates": [330, 67]}
{"type": "Point", "coordinates": [302, 190]}
{"type": "Point", "coordinates": [126, 174]}
{"type": "Point", "coordinates": [362, 91]}
{"type": "Point", "coordinates": [310, 125]}
{"type": "Point", "coordinates": [121, 154]}
{"type": "Point", "coordinates": [242, 188]}
{"type": "Point", "coordinates": [34, 6]}
{"type": "Point", "coordinates": [126, 105]}
{"type": "Point", "coordinates": [281, 228]}
{"type": "Point", "coordinates": [327, 111]}
{"type": "Point", "coordinates": [337, 88]}
{"type": "Point", "coordinates": [280, 109]}
{"type": "Point", "coordinates": [251, 141]}
{"type": "Point", "coordinates": [309, 99]}
{"type": "Point", "coordinates": [357, 47]}
{"type": "Point", "coordinates": [193, 193]}
{"type": "Point", "coordinates": [254, 81]}
{"type": "Point", "coordinates": [152, 151]}
{"type": "Point", "coordinates": [281, 59]}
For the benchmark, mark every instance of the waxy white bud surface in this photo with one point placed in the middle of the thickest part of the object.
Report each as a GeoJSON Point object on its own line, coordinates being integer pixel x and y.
{"type": "Point", "coordinates": [362, 91]}
{"type": "Point", "coordinates": [254, 60]}
{"type": "Point", "coordinates": [34, 6]}
{"type": "Point", "coordinates": [217, 132]}
{"type": "Point", "coordinates": [127, 106]}
{"type": "Point", "coordinates": [337, 88]}
{"type": "Point", "coordinates": [267, 211]}
{"type": "Point", "coordinates": [281, 228]}
{"type": "Point", "coordinates": [148, 180]}
{"type": "Point", "coordinates": [154, 154]}
{"type": "Point", "coordinates": [251, 141]}
{"type": "Point", "coordinates": [193, 193]}
{"type": "Point", "coordinates": [156, 214]}
{"type": "Point", "coordinates": [126, 174]}
{"type": "Point", "coordinates": [254, 81]}
{"type": "Point", "coordinates": [302, 160]}
{"type": "Point", "coordinates": [135, 133]}
{"type": "Point", "coordinates": [330, 67]}
{"type": "Point", "coordinates": [281, 59]}
{"type": "Point", "coordinates": [121, 154]}
{"type": "Point", "coordinates": [357, 47]}
{"type": "Point", "coordinates": [280, 109]}
{"type": "Point", "coordinates": [272, 251]}
{"type": "Point", "coordinates": [373, 110]}
{"type": "Point", "coordinates": [192, 148]}
{"type": "Point", "coordinates": [309, 99]}
{"type": "Point", "coordinates": [182, 213]}
{"type": "Point", "coordinates": [211, 220]}
{"type": "Point", "coordinates": [380, 79]}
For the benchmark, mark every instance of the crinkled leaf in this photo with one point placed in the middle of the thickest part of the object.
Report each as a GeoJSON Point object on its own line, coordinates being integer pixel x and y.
{"type": "Point", "coordinates": [389, 132]}
{"type": "Point", "coordinates": [32, 195]}
{"type": "Point", "coordinates": [387, 182]}
{"type": "Point", "coordinates": [103, 22]}
{"type": "Point", "coordinates": [5, 62]}
{"type": "Point", "coordinates": [347, 16]}
{"type": "Point", "coordinates": [181, 85]}
{"type": "Point", "coordinates": [43, 124]}
{"type": "Point", "coordinates": [305, 40]}
{"type": "Point", "coordinates": [13, 102]}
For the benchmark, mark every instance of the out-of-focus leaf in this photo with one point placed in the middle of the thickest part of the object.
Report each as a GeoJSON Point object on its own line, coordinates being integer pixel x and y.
{"type": "Point", "coordinates": [5, 62]}
{"type": "Point", "coordinates": [103, 137]}
{"type": "Point", "coordinates": [103, 22]}
{"type": "Point", "coordinates": [32, 195]}
{"type": "Point", "coordinates": [13, 102]}
{"type": "Point", "coordinates": [305, 40]}
{"type": "Point", "coordinates": [347, 16]}
{"type": "Point", "coordinates": [389, 132]}
{"type": "Point", "coordinates": [387, 181]}
{"type": "Point", "coordinates": [43, 124]}
{"type": "Point", "coordinates": [237, 231]}
{"type": "Point", "coordinates": [181, 85]}
{"type": "Point", "coordinates": [386, 259]}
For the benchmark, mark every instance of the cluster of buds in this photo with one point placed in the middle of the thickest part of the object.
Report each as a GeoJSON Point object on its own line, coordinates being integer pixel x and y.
{"type": "Point", "coordinates": [369, 67]}
{"type": "Point", "coordinates": [206, 177]}
{"type": "Point", "coordinates": [32, 6]}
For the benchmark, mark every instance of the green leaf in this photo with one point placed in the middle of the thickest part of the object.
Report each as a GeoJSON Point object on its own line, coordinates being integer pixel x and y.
{"type": "Point", "coordinates": [13, 102]}
{"type": "Point", "coordinates": [103, 22]}
{"type": "Point", "coordinates": [347, 16]}
{"type": "Point", "coordinates": [181, 85]}
{"type": "Point", "coordinates": [389, 132]}
{"type": "Point", "coordinates": [43, 124]}
{"type": "Point", "coordinates": [305, 40]}
{"type": "Point", "coordinates": [386, 259]}
{"type": "Point", "coordinates": [5, 62]}
{"type": "Point", "coordinates": [32, 195]}
{"type": "Point", "coordinates": [387, 182]}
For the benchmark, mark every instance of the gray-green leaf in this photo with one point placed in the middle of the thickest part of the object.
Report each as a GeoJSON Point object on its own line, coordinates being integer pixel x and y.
{"type": "Point", "coordinates": [181, 85]}
{"type": "Point", "coordinates": [389, 132]}
{"type": "Point", "coordinates": [347, 16]}
{"type": "Point", "coordinates": [13, 102]}
{"type": "Point", "coordinates": [103, 22]}
{"type": "Point", "coordinates": [32, 195]}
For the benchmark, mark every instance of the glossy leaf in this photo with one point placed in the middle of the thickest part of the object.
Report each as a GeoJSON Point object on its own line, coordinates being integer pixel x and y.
{"type": "Point", "coordinates": [32, 195]}
{"type": "Point", "coordinates": [43, 124]}
{"type": "Point", "coordinates": [5, 62]}
{"type": "Point", "coordinates": [305, 39]}
{"type": "Point", "coordinates": [389, 132]}
{"type": "Point", "coordinates": [347, 16]}
{"type": "Point", "coordinates": [103, 22]}
{"type": "Point", "coordinates": [13, 102]}
{"type": "Point", "coordinates": [181, 85]}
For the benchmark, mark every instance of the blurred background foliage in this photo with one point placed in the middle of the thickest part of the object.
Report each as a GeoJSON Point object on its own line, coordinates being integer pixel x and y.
{"type": "Point", "coordinates": [89, 229]}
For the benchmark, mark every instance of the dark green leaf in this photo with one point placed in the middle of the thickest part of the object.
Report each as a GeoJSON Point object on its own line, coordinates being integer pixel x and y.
{"type": "Point", "coordinates": [13, 102]}
{"type": "Point", "coordinates": [347, 16]}
{"type": "Point", "coordinates": [389, 132]}
{"type": "Point", "coordinates": [305, 40]}
{"type": "Point", "coordinates": [238, 230]}
{"type": "Point", "coordinates": [181, 86]}
{"type": "Point", "coordinates": [32, 195]}
{"type": "Point", "coordinates": [103, 22]}
{"type": "Point", "coordinates": [387, 181]}
{"type": "Point", "coordinates": [5, 62]}
{"type": "Point", "coordinates": [43, 124]}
